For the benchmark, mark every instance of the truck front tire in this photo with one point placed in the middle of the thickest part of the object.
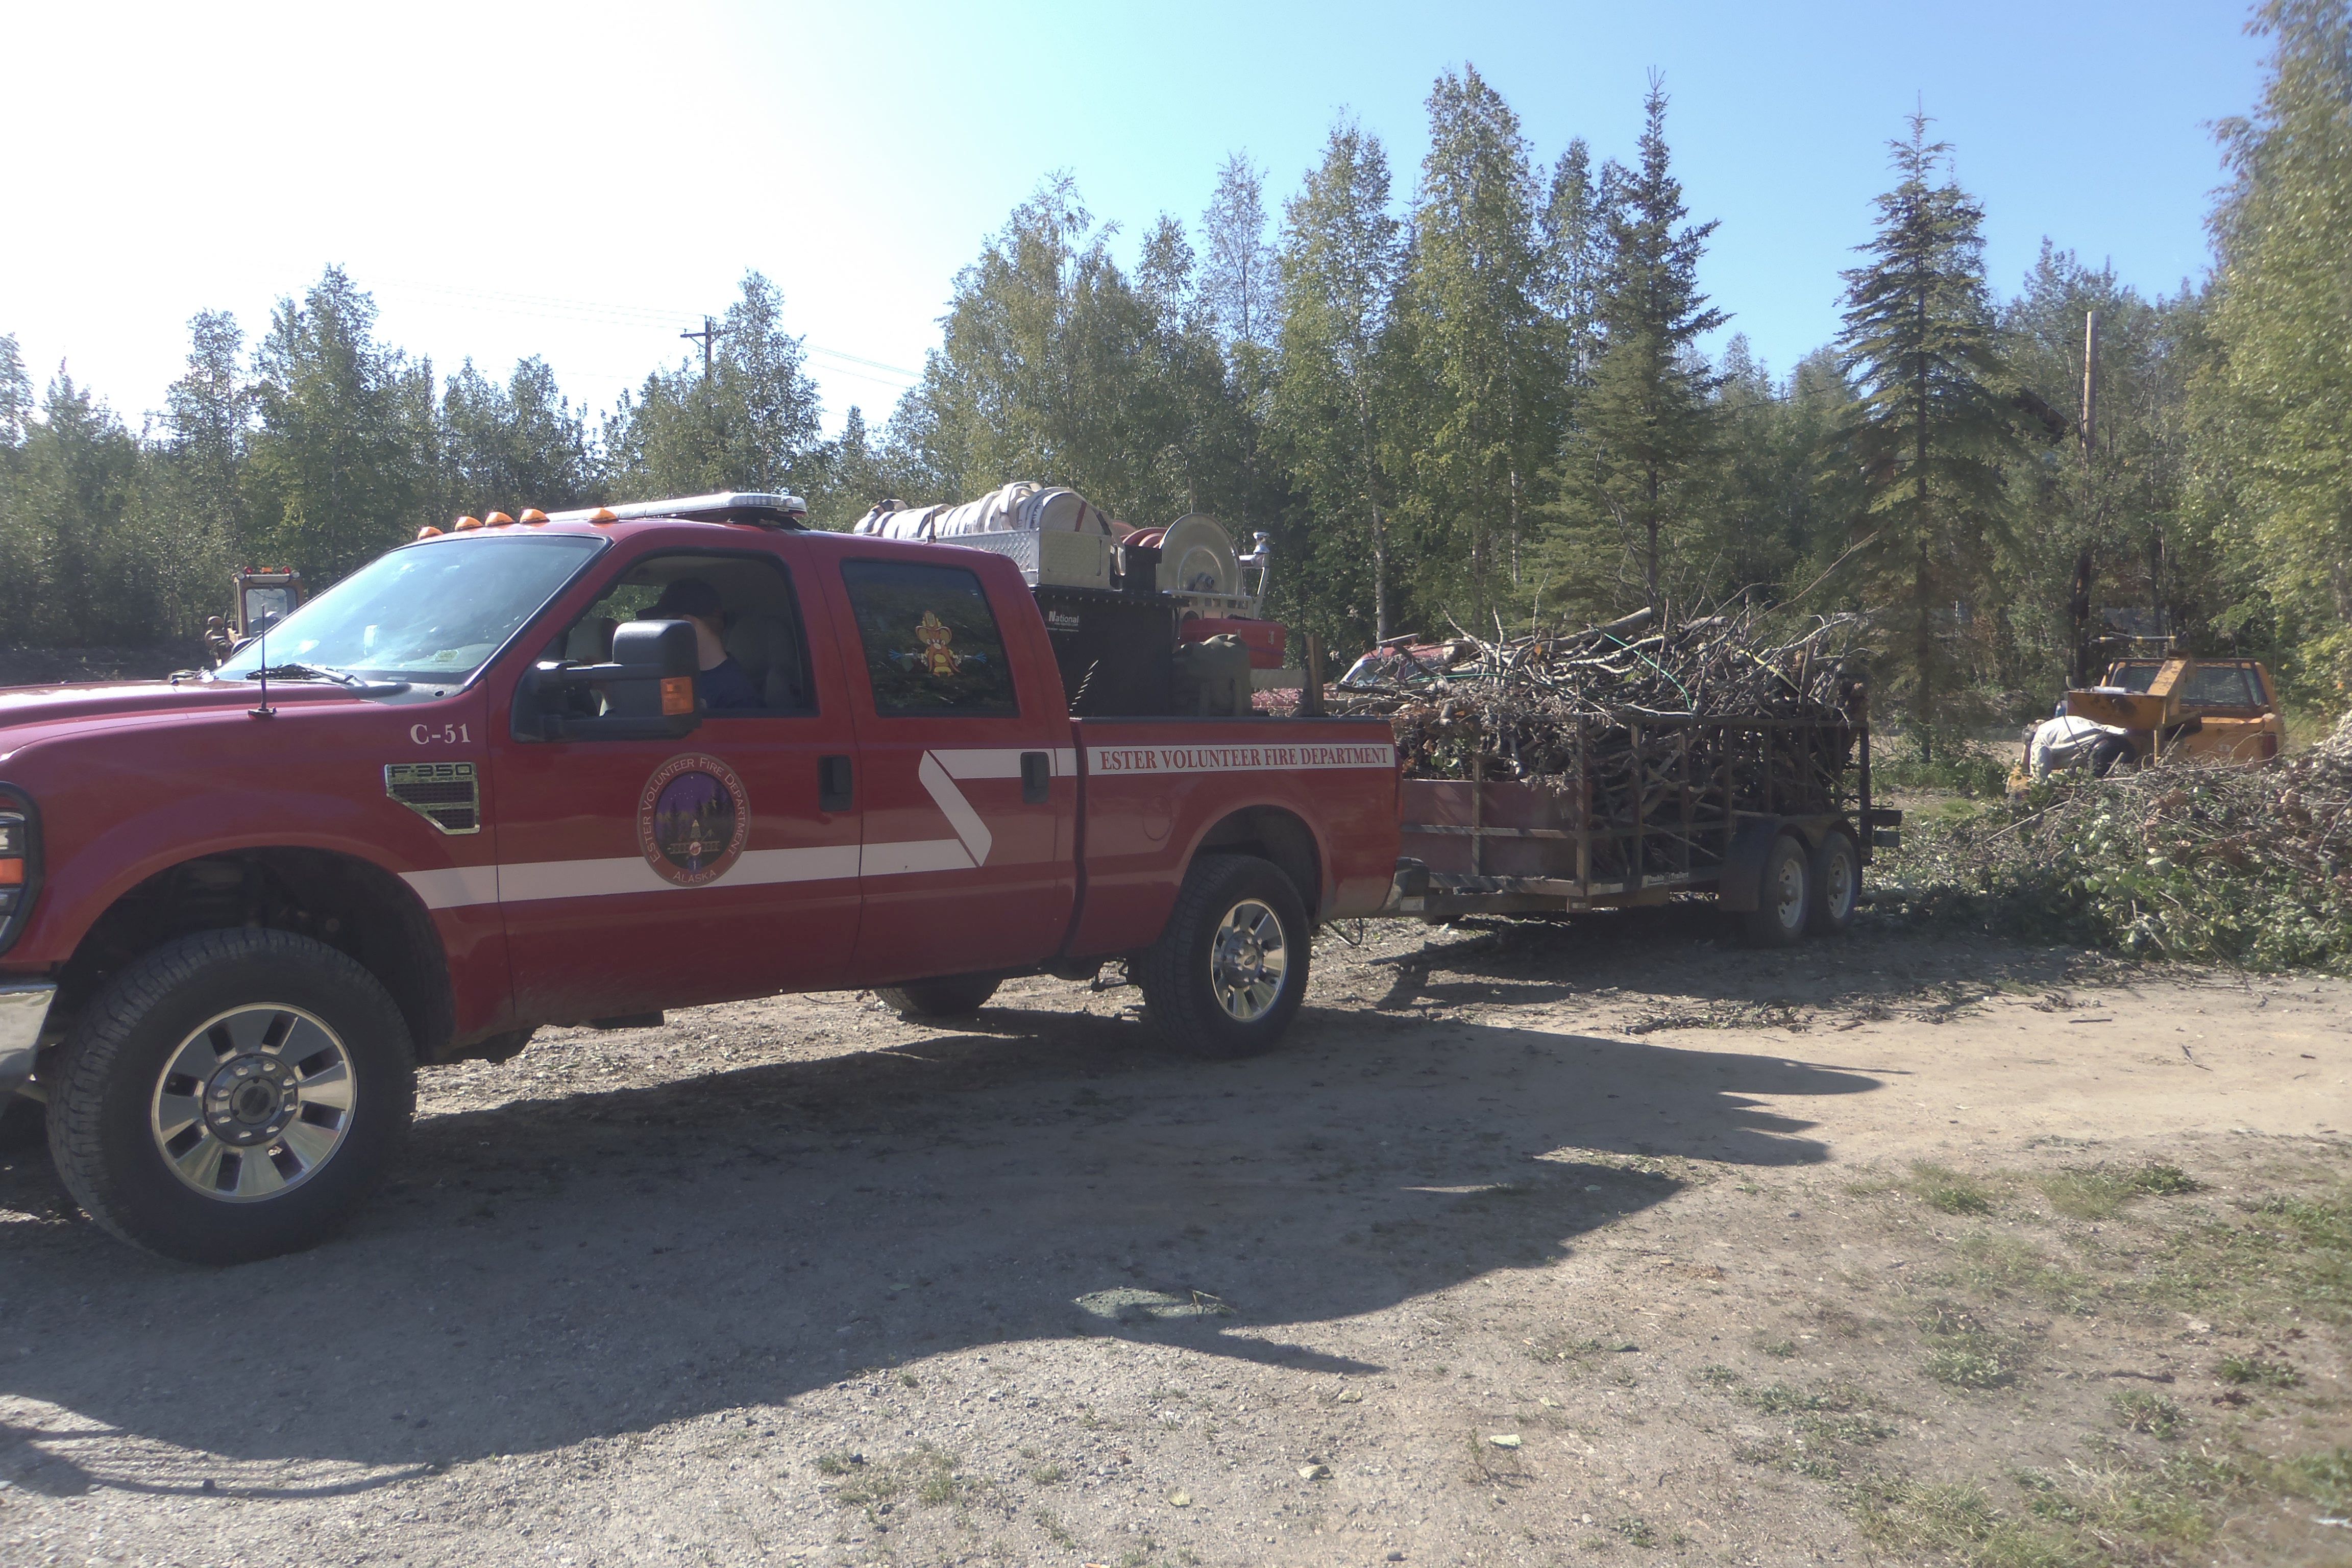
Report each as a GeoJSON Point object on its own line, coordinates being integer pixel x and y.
{"type": "Point", "coordinates": [1783, 897]}
{"type": "Point", "coordinates": [1227, 975]}
{"type": "Point", "coordinates": [953, 996]}
{"type": "Point", "coordinates": [232, 1095]}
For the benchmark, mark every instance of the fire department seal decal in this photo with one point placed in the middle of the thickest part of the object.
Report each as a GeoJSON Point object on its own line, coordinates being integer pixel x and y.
{"type": "Point", "coordinates": [692, 820]}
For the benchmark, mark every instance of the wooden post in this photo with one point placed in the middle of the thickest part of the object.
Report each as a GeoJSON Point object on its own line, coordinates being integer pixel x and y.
{"type": "Point", "coordinates": [1310, 696]}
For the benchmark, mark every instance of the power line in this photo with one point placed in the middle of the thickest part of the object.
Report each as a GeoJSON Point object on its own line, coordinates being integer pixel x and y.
{"type": "Point", "coordinates": [557, 307]}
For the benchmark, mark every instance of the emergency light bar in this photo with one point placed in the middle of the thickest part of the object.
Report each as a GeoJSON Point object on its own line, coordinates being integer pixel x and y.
{"type": "Point", "coordinates": [735, 506]}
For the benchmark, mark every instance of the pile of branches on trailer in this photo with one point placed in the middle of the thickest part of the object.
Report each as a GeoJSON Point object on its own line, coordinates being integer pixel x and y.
{"type": "Point", "coordinates": [2248, 864]}
{"type": "Point", "coordinates": [1533, 706]}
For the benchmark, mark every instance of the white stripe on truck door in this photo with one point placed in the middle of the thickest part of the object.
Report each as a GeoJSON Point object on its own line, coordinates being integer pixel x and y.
{"type": "Point", "coordinates": [464, 885]}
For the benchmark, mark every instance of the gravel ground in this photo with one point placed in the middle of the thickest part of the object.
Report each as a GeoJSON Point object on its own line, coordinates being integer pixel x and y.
{"type": "Point", "coordinates": [1459, 1276]}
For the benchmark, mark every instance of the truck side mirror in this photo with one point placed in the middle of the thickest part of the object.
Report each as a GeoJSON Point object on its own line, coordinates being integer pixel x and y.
{"type": "Point", "coordinates": [647, 687]}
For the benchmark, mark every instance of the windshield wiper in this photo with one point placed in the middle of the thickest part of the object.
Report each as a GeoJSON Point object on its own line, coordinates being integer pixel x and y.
{"type": "Point", "coordinates": [325, 672]}
{"type": "Point", "coordinates": [306, 672]}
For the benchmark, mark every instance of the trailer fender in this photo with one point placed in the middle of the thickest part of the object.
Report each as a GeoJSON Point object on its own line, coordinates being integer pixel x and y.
{"type": "Point", "coordinates": [1743, 867]}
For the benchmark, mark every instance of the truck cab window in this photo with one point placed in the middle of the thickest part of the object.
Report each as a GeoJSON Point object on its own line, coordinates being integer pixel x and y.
{"type": "Point", "coordinates": [932, 642]}
{"type": "Point", "coordinates": [2221, 685]}
{"type": "Point", "coordinates": [748, 605]}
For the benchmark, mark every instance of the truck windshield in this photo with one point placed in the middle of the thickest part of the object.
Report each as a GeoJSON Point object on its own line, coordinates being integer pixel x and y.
{"type": "Point", "coordinates": [425, 613]}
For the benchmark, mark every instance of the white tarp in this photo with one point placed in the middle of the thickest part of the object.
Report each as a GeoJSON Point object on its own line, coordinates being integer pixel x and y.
{"type": "Point", "coordinates": [1024, 505]}
{"type": "Point", "coordinates": [2064, 743]}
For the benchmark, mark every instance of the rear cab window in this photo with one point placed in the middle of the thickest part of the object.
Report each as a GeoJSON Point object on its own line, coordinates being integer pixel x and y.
{"type": "Point", "coordinates": [931, 643]}
{"type": "Point", "coordinates": [2221, 686]}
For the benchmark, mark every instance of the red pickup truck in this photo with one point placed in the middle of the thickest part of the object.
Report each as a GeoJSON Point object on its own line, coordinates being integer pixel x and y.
{"type": "Point", "coordinates": [486, 783]}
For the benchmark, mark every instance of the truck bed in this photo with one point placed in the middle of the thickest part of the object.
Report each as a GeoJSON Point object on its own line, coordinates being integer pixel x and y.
{"type": "Point", "coordinates": [1155, 791]}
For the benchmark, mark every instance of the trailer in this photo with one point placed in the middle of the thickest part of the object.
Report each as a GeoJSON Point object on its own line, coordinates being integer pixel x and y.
{"type": "Point", "coordinates": [1770, 816]}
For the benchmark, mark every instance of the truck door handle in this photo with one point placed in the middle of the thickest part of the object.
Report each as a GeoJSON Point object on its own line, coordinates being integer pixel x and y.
{"type": "Point", "coordinates": [834, 783]}
{"type": "Point", "coordinates": [1036, 777]}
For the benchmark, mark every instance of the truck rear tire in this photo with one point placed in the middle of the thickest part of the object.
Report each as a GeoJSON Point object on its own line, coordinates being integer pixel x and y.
{"type": "Point", "coordinates": [954, 997]}
{"type": "Point", "coordinates": [1783, 897]}
{"type": "Point", "coordinates": [1837, 884]}
{"type": "Point", "coordinates": [1227, 975]}
{"type": "Point", "coordinates": [232, 1095]}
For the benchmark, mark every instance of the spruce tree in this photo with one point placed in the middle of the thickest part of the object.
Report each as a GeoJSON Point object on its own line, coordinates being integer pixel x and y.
{"type": "Point", "coordinates": [1647, 426]}
{"type": "Point", "coordinates": [1574, 251]}
{"type": "Point", "coordinates": [1331, 408]}
{"type": "Point", "coordinates": [1930, 430]}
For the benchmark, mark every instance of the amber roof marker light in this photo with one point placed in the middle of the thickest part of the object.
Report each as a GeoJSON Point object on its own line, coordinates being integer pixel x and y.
{"type": "Point", "coordinates": [466, 525]}
{"type": "Point", "coordinates": [532, 515]}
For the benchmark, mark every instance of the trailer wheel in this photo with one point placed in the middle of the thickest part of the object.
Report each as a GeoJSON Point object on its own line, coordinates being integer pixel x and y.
{"type": "Point", "coordinates": [232, 1095]}
{"type": "Point", "coordinates": [1783, 897]}
{"type": "Point", "coordinates": [955, 997]}
{"type": "Point", "coordinates": [1837, 884]}
{"type": "Point", "coordinates": [1227, 975]}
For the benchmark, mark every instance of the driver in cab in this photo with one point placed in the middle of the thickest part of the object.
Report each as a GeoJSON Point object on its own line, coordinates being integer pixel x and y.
{"type": "Point", "coordinates": [721, 683]}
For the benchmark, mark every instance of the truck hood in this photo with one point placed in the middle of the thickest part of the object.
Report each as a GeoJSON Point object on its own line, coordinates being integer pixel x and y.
{"type": "Point", "coordinates": [28, 713]}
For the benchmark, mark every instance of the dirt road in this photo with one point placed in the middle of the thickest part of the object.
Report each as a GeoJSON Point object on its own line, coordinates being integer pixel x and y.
{"type": "Point", "coordinates": [1540, 1244]}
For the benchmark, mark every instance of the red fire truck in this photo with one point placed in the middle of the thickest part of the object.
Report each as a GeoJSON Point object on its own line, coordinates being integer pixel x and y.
{"type": "Point", "coordinates": [474, 791]}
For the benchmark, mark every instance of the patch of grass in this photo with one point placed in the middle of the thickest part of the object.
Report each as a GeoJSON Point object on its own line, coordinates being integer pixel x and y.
{"type": "Point", "coordinates": [1966, 1351]}
{"type": "Point", "coordinates": [2325, 1478]}
{"type": "Point", "coordinates": [927, 1472]}
{"type": "Point", "coordinates": [2246, 1369]}
{"type": "Point", "coordinates": [1055, 1529]}
{"type": "Point", "coordinates": [1942, 1188]}
{"type": "Point", "coordinates": [2000, 1267]}
{"type": "Point", "coordinates": [1559, 1349]}
{"type": "Point", "coordinates": [2280, 1251]}
{"type": "Point", "coordinates": [1779, 1350]}
{"type": "Point", "coordinates": [1636, 1532]}
{"type": "Point", "coordinates": [838, 1463]}
{"type": "Point", "coordinates": [908, 1380]}
{"type": "Point", "coordinates": [2143, 1410]}
{"type": "Point", "coordinates": [2100, 1191]}
{"type": "Point", "coordinates": [1046, 1475]}
{"type": "Point", "coordinates": [1959, 1523]}
{"type": "Point", "coordinates": [1717, 1376]}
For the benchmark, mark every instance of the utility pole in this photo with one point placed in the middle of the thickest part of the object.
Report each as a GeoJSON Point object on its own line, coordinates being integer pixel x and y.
{"type": "Point", "coordinates": [710, 335]}
{"type": "Point", "coordinates": [2085, 565]}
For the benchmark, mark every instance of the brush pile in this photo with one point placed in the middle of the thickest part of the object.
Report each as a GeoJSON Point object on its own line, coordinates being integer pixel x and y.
{"type": "Point", "coordinates": [1530, 707]}
{"type": "Point", "coordinates": [2252, 865]}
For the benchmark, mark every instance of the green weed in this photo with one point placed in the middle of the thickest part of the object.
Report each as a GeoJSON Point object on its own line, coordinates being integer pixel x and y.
{"type": "Point", "coordinates": [2141, 1410]}
{"type": "Point", "coordinates": [1949, 1191]}
{"type": "Point", "coordinates": [2242, 1370]}
{"type": "Point", "coordinates": [1965, 1352]}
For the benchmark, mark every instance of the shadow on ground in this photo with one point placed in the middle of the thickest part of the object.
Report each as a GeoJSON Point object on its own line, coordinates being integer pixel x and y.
{"type": "Point", "coordinates": [554, 1271]}
{"type": "Point", "coordinates": [1688, 950]}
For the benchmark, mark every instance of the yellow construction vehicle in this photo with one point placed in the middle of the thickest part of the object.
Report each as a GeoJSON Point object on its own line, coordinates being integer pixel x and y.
{"type": "Point", "coordinates": [2158, 710]}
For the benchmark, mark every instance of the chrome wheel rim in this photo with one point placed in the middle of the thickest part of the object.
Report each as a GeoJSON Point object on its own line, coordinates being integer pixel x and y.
{"type": "Point", "coordinates": [1839, 882]}
{"type": "Point", "coordinates": [253, 1103]}
{"type": "Point", "coordinates": [1790, 892]}
{"type": "Point", "coordinates": [1248, 961]}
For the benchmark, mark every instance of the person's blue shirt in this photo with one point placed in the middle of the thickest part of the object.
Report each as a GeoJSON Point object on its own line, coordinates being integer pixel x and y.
{"type": "Point", "coordinates": [727, 684]}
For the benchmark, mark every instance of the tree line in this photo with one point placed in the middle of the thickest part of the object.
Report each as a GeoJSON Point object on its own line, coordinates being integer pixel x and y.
{"type": "Point", "coordinates": [1481, 398]}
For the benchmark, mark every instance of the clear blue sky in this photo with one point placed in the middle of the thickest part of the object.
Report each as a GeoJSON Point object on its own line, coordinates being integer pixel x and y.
{"type": "Point", "coordinates": [582, 181]}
